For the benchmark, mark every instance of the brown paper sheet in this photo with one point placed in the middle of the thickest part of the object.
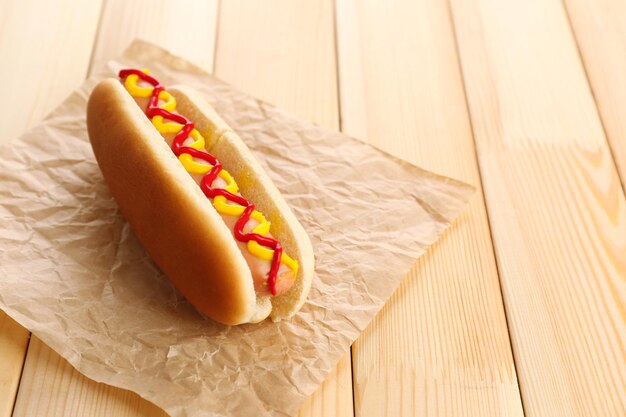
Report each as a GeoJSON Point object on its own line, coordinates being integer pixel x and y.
{"type": "Point", "coordinates": [73, 273]}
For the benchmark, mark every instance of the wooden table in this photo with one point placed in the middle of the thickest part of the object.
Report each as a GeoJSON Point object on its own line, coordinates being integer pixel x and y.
{"type": "Point", "coordinates": [520, 308]}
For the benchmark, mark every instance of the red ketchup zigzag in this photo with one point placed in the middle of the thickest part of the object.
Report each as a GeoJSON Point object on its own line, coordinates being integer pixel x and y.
{"type": "Point", "coordinates": [209, 177]}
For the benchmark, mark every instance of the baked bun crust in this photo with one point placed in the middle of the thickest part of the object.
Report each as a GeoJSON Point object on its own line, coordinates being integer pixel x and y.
{"type": "Point", "coordinates": [173, 219]}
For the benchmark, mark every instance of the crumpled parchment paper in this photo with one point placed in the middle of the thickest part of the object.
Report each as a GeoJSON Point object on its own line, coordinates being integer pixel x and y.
{"type": "Point", "coordinates": [73, 273]}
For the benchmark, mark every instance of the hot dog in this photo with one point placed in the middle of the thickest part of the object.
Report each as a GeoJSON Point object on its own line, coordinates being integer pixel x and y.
{"type": "Point", "coordinates": [199, 202]}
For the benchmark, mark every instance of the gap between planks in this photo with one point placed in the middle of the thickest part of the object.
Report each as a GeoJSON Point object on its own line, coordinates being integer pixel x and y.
{"type": "Point", "coordinates": [598, 27]}
{"type": "Point", "coordinates": [557, 211]}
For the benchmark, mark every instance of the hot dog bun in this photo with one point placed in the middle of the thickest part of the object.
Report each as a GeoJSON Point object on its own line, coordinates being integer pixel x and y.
{"type": "Point", "coordinates": [176, 223]}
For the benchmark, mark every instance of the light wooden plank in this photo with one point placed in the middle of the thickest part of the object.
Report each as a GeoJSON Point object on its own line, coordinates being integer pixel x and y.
{"type": "Point", "coordinates": [283, 52]}
{"type": "Point", "coordinates": [45, 49]}
{"type": "Point", "coordinates": [557, 211]}
{"type": "Point", "coordinates": [440, 347]}
{"type": "Point", "coordinates": [13, 344]}
{"type": "Point", "coordinates": [42, 70]}
{"type": "Point", "coordinates": [51, 386]}
{"type": "Point", "coordinates": [600, 29]}
{"type": "Point", "coordinates": [186, 28]}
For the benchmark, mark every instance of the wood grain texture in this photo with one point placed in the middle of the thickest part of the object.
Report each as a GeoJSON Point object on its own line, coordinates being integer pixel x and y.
{"type": "Point", "coordinates": [334, 396]}
{"type": "Point", "coordinates": [283, 52]}
{"type": "Point", "coordinates": [13, 344]}
{"type": "Point", "coordinates": [55, 389]}
{"type": "Point", "coordinates": [39, 81]}
{"type": "Point", "coordinates": [186, 28]}
{"type": "Point", "coordinates": [51, 386]}
{"type": "Point", "coordinates": [600, 29]}
{"type": "Point", "coordinates": [45, 58]}
{"type": "Point", "coordinates": [556, 207]}
{"type": "Point", "coordinates": [440, 347]}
